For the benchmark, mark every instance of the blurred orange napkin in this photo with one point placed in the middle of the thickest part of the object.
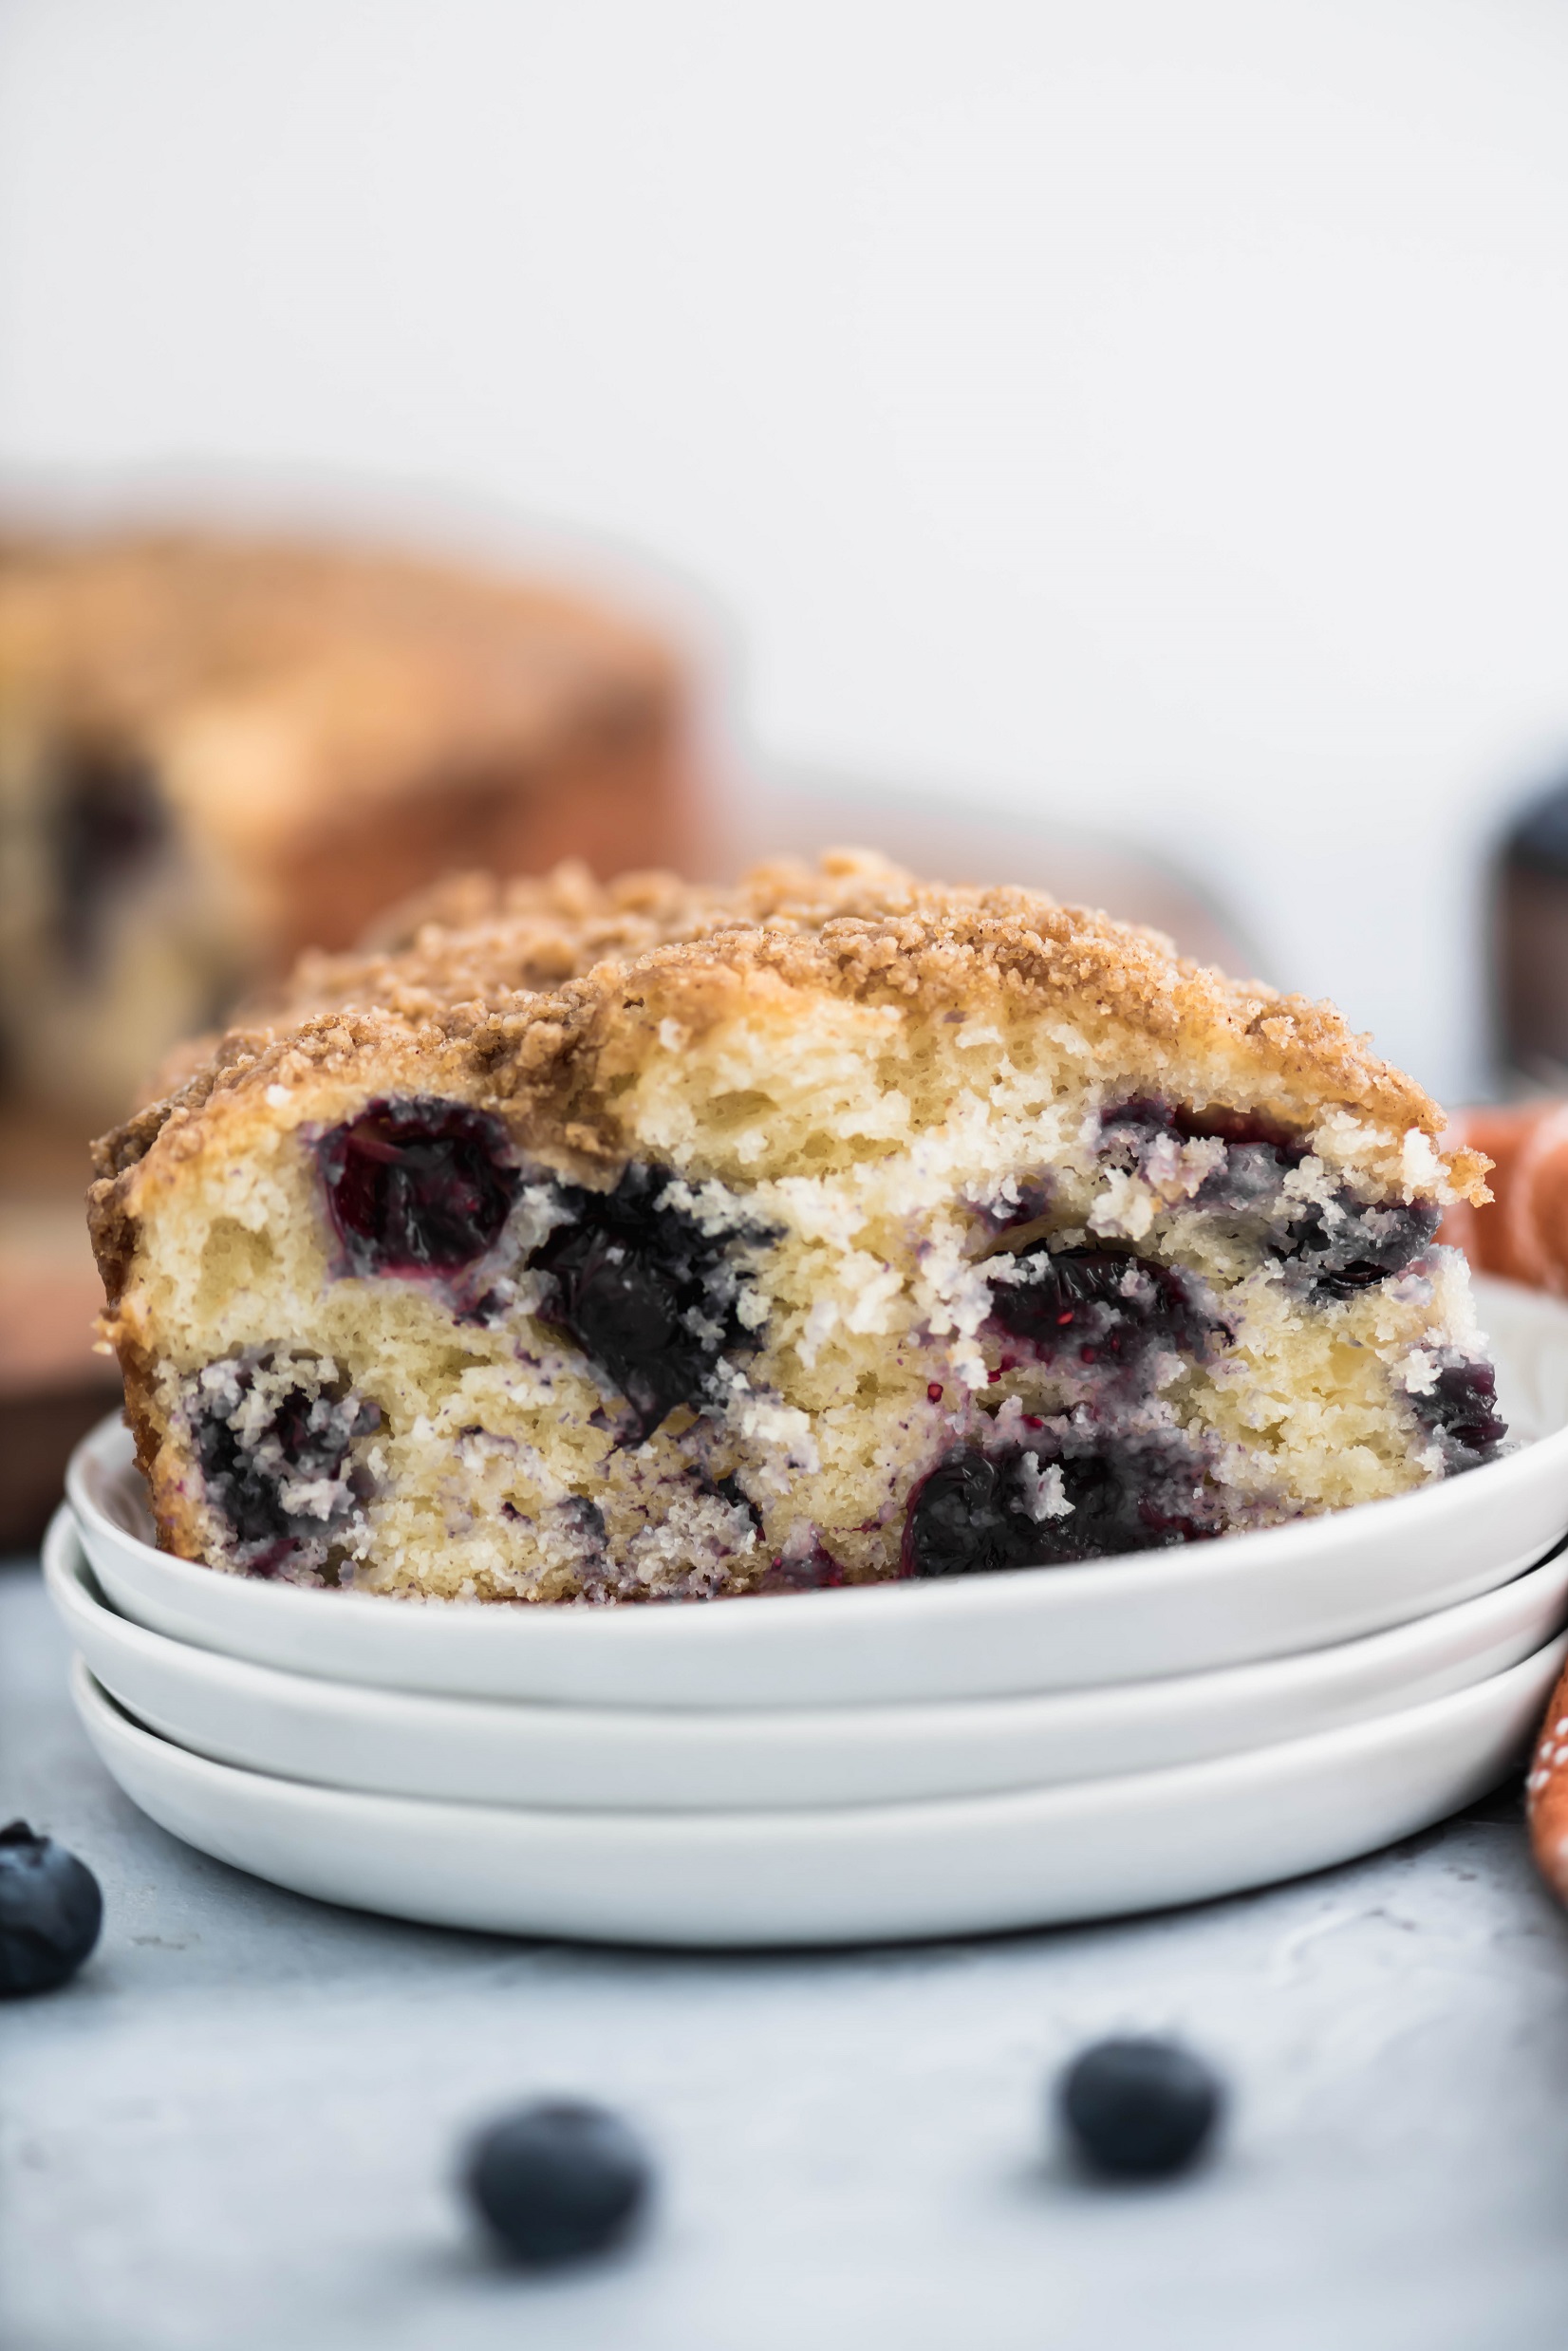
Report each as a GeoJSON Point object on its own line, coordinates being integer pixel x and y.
{"type": "Point", "coordinates": [1523, 1235]}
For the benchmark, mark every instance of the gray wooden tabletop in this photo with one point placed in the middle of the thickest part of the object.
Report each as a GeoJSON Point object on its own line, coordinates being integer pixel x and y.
{"type": "Point", "coordinates": [238, 2126]}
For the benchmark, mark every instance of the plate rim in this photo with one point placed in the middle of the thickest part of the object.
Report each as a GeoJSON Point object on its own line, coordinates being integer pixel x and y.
{"type": "Point", "coordinates": [835, 1877]}
{"type": "Point", "coordinates": [1120, 1791]}
{"type": "Point", "coordinates": [63, 1538]}
{"type": "Point", "coordinates": [559, 1756]}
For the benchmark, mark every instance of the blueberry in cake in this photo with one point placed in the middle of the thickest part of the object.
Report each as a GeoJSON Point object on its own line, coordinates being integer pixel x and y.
{"type": "Point", "coordinates": [216, 750]}
{"type": "Point", "coordinates": [655, 1244]}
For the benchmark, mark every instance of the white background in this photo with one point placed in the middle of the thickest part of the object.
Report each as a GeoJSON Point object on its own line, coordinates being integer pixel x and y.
{"type": "Point", "coordinates": [1147, 412]}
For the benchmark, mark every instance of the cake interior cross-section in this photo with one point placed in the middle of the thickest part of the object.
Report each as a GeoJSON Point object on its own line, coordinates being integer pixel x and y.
{"type": "Point", "coordinates": [785, 1254]}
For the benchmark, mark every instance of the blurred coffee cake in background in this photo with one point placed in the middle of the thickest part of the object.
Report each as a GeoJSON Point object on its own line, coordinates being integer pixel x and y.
{"type": "Point", "coordinates": [215, 752]}
{"type": "Point", "coordinates": [219, 752]}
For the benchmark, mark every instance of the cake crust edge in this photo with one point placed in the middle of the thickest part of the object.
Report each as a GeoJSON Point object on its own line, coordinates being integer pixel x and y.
{"type": "Point", "coordinates": [882, 939]}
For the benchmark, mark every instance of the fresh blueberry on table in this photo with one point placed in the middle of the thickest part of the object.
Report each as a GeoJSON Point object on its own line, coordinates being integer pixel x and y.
{"type": "Point", "coordinates": [50, 1912]}
{"type": "Point", "coordinates": [558, 2180]}
{"type": "Point", "coordinates": [1139, 2108]}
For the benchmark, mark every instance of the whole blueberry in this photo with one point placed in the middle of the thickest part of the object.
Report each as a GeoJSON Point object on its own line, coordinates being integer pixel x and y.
{"type": "Point", "coordinates": [50, 1912]}
{"type": "Point", "coordinates": [418, 1187]}
{"type": "Point", "coordinates": [557, 2180]}
{"type": "Point", "coordinates": [1139, 2108]}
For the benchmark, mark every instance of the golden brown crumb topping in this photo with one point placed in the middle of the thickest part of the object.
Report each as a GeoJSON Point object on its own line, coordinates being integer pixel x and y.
{"type": "Point", "coordinates": [533, 983]}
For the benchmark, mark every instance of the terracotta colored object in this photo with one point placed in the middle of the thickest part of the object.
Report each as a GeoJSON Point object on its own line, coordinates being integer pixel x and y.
{"type": "Point", "coordinates": [1523, 1233]}
{"type": "Point", "coordinates": [1547, 1790]}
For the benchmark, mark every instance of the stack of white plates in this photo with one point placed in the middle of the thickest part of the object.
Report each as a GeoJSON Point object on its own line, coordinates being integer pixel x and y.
{"type": "Point", "coordinates": [836, 1766]}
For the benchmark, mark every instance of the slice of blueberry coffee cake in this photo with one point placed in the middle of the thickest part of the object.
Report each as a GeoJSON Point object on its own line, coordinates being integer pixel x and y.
{"type": "Point", "coordinates": [853, 1228]}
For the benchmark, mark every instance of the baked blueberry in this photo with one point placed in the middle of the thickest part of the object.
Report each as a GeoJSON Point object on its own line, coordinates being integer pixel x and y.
{"type": "Point", "coordinates": [1462, 1409]}
{"type": "Point", "coordinates": [557, 2180]}
{"type": "Point", "coordinates": [959, 1522]}
{"type": "Point", "coordinates": [50, 1912]}
{"type": "Point", "coordinates": [417, 1185]}
{"type": "Point", "coordinates": [1239, 1130]}
{"type": "Point", "coordinates": [1362, 1244]}
{"type": "Point", "coordinates": [281, 1478]}
{"type": "Point", "coordinates": [1095, 1304]}
{"type": "Point", "coordinates": [1126, 1131]}
{"type": "Point", "coordinates": [1040, 1505]}
{"type": "Point", "coordinates": [1346, 1247]}
{"type": "Point", "coordinates": [646, 1292]}
{"type": "Point", "coordinates": [814, 1189]}
{"type": "Point", "coordinates": [1139, 2108]}
{"type": "Point", "coordinates": [811, 1568]}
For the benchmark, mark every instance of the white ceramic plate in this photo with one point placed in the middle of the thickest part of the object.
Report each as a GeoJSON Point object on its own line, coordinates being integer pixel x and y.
{"type": "Point", "coordinates": [850, 1873]}
{"type": "Point", "coordinates": [1186, 1610]}
{"type": "Point", "coordinates": [474, 1750]}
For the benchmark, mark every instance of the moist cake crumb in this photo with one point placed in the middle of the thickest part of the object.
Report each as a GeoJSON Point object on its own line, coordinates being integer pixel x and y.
{"type": "Point", "coordinates": [644, 1243]}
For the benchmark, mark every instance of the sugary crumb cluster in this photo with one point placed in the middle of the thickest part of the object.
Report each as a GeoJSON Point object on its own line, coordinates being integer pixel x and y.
{"type": "Point", "coordinates": [844, 1229]}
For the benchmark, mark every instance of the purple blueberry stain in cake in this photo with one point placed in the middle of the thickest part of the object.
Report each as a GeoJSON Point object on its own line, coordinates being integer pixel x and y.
{"type": "Point", "coordinates": [1081, 1292]}
{"type": "Point", "coordinates": [805, 1564]}
{"type": "Point", "coordinates": [1354, 1245]}
{"type": "Point", "coordinates": [277, 1451]}
{"type": "Point", "coordinates": [418, 1187]}
{"type": "Point", "coordinates": [1337, 1242]}
{"type": "Point", "coordinates": [1145, 1132]}
{"type": "Point", "coordinates": [958, 1520]}
{"type": "Point", "coordinates": [1461, 1411]}
{"type": "Point", "coordinates": [1069, 1492]}
{"type": "Point", "coordinates": [1095, 1304]}
{"type": "Point", "coordinates": [1239, 1169]}
{"type": "Point", "coordinates": [1239, 1130]}
{"type": "Point", "coordinates": [1128, 1128]}
{"type": "Point", "coordinates": [648, 1290]}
